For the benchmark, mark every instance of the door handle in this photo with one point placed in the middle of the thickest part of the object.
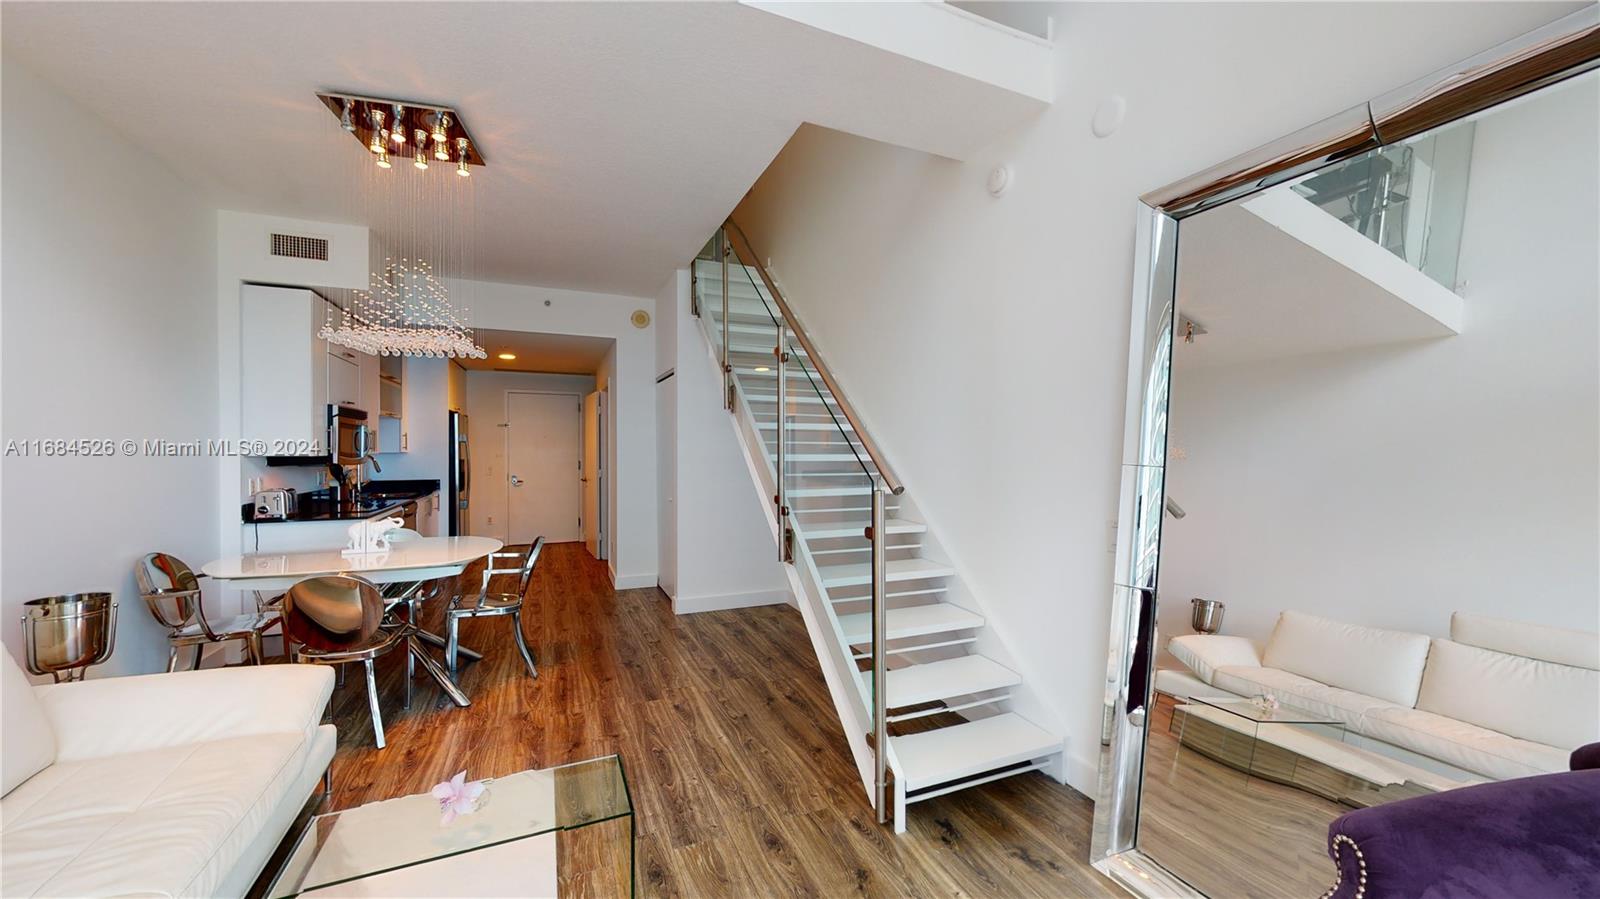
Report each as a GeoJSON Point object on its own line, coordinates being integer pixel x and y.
{"type": "Point", "coordinates": [516, 481]}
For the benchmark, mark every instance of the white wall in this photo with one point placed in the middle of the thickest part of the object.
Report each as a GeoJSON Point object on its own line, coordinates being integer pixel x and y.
{"type": "Point", "coordinates": [1394, 485]}
{"type": "Point", "coordinates": [716, 545]}
{"type": "Point", "coordinates": [549, 310]}
{"type": "Point", "coordinates": [984, 339]}
{"type": "Point", "coordinates": [666, 328]}
{"type": "Point", "coordinates": [109, 332]}
{"type": "Point", "coordinates": [485, 405]}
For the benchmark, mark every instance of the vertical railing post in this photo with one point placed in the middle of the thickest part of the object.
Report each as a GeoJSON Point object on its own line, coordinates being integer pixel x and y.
{"type": "Point", "coordinates": [880, 637]}
{"type": "Point", "coordinates": [727, 369]}
{"type": "Point", "coordinates": [781, 498]}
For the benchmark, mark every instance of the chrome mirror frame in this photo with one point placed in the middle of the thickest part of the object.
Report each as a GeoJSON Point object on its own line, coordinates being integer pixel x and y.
{"type": "Point", "coordinates": [1566, 47]}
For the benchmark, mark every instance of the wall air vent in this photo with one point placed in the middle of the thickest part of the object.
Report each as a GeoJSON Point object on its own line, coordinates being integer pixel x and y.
{"type": "Point", "coordinates": [296, 246]}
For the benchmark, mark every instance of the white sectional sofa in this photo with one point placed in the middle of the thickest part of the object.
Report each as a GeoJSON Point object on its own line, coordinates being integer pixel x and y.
{"type": "Point", "coordinates": [156, 785]}
{"type": "Point", "coordinates": [1499, 699]}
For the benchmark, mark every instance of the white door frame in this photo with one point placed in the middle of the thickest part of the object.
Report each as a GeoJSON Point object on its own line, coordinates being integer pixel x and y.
{"type": "Point", "coordinates": [505, 410]}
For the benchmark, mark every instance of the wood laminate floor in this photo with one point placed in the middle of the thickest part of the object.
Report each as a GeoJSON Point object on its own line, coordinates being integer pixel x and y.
{"type": "Point", "coordinates": [740, 776]}
{"type": "Point", "coordinates": [1231, 836]}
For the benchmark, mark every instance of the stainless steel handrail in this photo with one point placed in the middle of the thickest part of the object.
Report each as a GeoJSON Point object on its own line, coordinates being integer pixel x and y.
{"type": "Point", "coordinates": [781, 357]}
{"type": "Point", "coordinates": [727, 369]}
{"type": "Point", "coordinates": [880, 657]}
{"type": "Point", "coordinates": [742, 249]}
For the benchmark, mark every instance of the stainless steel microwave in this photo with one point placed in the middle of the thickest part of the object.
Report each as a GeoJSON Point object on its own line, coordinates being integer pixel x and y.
{"type": "Point", "coordinates": [347, 434]}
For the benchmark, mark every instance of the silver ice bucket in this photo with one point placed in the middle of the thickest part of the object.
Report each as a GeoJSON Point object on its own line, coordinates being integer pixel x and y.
{"type": "Point", "coordinates": [64, 635]}
{"type": "Point", "coordinates": [1205, 615]}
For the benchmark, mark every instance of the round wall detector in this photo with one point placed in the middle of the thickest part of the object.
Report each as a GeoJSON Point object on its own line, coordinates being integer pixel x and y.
{"type": "Point", "coordinates": [1000, 179]}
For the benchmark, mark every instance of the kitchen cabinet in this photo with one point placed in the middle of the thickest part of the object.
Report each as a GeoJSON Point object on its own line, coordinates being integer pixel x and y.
{"type": "Point", "coordinates": [370, 401]}
{"type": "Point", "coordinates": [390, 410]}
{"type": "Point", "coordinates": [428, 515]}
{"type": "Point", "coordinates": [344, 377]}
{"type": "Point", "coordinates": [283, 384]}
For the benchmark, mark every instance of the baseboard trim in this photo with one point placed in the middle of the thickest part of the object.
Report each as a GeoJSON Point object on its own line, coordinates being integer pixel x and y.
{"type": "Point", "coordinates": [688, 605]}
{"type": "Point", "coordinates": [632, 581]}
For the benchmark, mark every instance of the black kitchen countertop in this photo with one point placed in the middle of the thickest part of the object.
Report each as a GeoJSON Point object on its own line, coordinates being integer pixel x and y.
{"type": "Point", "coordinates": [379, 498]}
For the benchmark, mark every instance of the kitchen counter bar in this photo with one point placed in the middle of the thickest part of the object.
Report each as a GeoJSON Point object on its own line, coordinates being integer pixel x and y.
{"type": "Point", "coordinates": [381, 499]}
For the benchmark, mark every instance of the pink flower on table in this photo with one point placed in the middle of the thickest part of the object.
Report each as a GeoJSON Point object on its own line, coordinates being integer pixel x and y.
{"type": "Point", "coordinates": [457, 797]}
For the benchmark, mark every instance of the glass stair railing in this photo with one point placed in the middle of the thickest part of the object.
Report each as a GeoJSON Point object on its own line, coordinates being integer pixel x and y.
{"type": "Point", "coordinates": [1409, 198]}
{"type": "Point", "coordinates": [880, 611]}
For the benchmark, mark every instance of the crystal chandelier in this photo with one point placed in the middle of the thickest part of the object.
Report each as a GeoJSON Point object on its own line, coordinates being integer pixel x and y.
{"type": "Point", "coordinates": [426, 223]}
{"type": "Point", "coordinates": [406, 312]}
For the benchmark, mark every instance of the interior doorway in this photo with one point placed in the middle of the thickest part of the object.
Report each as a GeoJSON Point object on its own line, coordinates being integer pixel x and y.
{"type": "Point", "coordinates": [544, 443]}
{"type": "Point", "coordinates": [594, 473]}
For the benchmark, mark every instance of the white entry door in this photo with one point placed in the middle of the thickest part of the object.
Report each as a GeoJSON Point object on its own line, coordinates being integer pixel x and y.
{"type": "Point", "coordinates": [594, 473]}
{"type": "Point", "coordinates": [543, 440]}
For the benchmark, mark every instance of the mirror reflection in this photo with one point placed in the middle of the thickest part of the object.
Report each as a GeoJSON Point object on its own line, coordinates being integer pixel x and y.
{"type": "Point", "coordinates": [1379, 572]}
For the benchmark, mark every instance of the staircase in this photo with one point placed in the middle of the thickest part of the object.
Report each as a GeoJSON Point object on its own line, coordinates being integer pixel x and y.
{"type": "Point", "coordinates": [946, 708]}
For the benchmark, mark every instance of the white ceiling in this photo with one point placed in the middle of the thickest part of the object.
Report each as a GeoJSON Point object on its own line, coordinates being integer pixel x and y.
{"type": "Point", "coordinates": [618, 135]}
{"type": "Point", "coordinates": [1261, 294]}
{"type": "Point", "coordinates": [561, 354]}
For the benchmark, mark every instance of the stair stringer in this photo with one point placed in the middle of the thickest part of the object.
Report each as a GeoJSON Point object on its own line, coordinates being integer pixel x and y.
{"type": "Point", "coordinates": [851, 700]}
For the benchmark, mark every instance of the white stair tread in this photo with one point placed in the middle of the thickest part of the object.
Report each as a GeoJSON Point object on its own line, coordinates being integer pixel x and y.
{"type": "Point", "coordinates": [747, 371]}
{"type": "Point", "coordinates": [932, 681]}
{"type": "Point", "coordinates": [894, 570]}
{"type": "Point", "coordinates": [741, 344]}
{"type": "Point", "coordinates": [951, 753]}
{"type": "Point", "coordinates": [892, 526]}
{"type": "Point", "coordinates": [804, 492]}
{"type": "Point", "coordinates": [911, 621]}
{"type": "Point", "coordinates": [807, 426]}
{"type": "Point", "coordinates": [893, 594]}
{"type": "Point", "coordinates": [826, 457]}
{"type": "Point", "coordinates": [804, 395]}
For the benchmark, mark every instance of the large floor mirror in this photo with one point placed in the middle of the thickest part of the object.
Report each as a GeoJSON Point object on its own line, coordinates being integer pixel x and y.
{"type": "Point", "coordinates": [1360, 558]}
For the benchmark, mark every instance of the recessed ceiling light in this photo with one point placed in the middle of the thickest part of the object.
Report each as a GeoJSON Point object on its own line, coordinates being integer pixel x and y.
{"type": "Point", "coordinates": [762, 368]}
{"type": "Point", "coordinates": [507, 356]}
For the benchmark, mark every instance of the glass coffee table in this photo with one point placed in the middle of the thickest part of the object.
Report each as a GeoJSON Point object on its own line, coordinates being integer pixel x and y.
{"type": "Point", "coordinates": [1272, 744]}
{"type": "Point", "coordinates": [551, 832]}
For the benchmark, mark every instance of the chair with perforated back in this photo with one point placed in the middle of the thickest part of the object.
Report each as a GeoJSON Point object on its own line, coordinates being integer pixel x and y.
{"type": "Point", "coordinates": [337, 619]}
{"type": "Point", "coordinates": [171, 589]}
{"type": "Point", "coordinates": [484, 604]}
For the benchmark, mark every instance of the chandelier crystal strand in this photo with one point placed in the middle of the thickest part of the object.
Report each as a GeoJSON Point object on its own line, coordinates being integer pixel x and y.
{"type": "Point", "coordinates": [407, 308]}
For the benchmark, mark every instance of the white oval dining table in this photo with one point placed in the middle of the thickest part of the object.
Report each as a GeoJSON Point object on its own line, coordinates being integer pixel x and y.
{"type": "Point", "coordinates": [421, 559]}
{"type": "Point", "coordinates": [409, 561]}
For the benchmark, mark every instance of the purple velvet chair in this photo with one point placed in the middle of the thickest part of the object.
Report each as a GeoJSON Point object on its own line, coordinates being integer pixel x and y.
{"type": "Point", "coordinates": [1528, 838]}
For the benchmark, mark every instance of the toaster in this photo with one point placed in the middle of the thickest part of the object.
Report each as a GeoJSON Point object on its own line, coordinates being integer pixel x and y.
{"type": "Point", "coordinates": [275, 504]}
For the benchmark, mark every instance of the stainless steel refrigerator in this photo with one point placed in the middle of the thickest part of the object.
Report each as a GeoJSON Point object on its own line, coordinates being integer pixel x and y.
{"type": "Point", "coordinates": [460, 474]}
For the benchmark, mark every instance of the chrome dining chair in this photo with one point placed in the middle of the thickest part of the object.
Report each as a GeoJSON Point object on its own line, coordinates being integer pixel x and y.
{"type": "Point", "coordinates": [171, 589]}
{"type": "Point", "coordinates": [485, 604]}
{"type": "Point", "coordinates": [337, 619]}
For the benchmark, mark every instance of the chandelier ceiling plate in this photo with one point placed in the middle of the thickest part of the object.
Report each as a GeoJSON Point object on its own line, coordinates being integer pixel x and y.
{"type": "Point", "coordinates": [414, 117]}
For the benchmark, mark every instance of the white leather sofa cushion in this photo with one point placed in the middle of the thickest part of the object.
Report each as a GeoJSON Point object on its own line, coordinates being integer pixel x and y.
{"type": "Point", "coordinates": [1385, 664]}
{"type": "Point", "coordinates": [1558, 705]}
{"type": "Point", "coordinates": [29, 745]}
{"type": "Point", "coordinates": [114, 715]}
{"type": "Point", "coordinates": [1345, 706]}
{"type": "Point", "coordinates": [1534, 641]}
{"type": "Point", "coordinates": [168, 821]}
{"type": "Point", "coordinates": [1466, 746]}
{"type": "Point", "coordinates": [1205, 653]}
{"type": "Point", "coordinates": [1183, 685]}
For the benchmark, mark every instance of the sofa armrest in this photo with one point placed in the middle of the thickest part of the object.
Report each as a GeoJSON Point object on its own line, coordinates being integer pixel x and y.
{"type": "Point", "coordinates": [115, 715]}
{"type": "Point", "coordinates": [1205, 653]}
{"type": "Point", "coordinates": [1585, 758]}
{"type": "Point", "coordinates": [1479, 836]}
